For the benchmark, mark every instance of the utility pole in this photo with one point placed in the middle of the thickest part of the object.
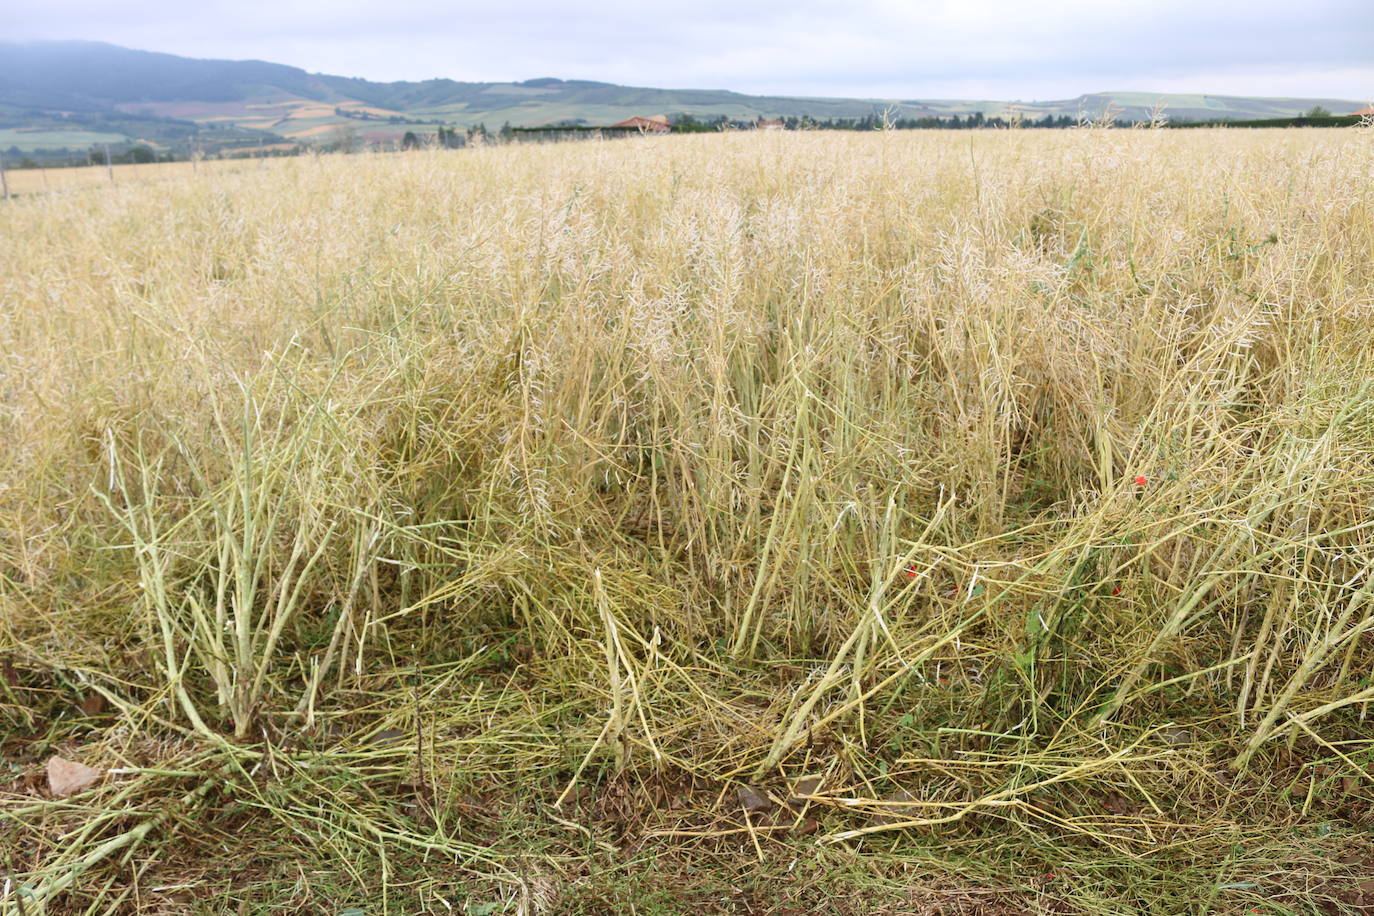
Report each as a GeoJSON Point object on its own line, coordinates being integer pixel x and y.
{"type": "Point", "coordinates": [109, 164]}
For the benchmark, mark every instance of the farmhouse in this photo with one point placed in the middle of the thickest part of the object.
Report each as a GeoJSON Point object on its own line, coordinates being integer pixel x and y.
{"type": "Point", "coordinates": [765, 124]}
{"type": "Point", "coordinates": [656, 124]}
{"type": "Point", "coordinates": [1366, 111]}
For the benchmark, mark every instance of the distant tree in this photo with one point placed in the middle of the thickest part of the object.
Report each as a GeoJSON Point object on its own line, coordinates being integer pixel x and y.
{"type": "Point", "coordinates": [1318, 112]}
{"type": "Point", "coordinates": [346, 139]}
{"type": "Point", "coordinates": [142, 154]}
{"type": "Point", "coordinates": [449, 138]}
{"type": "Point", "coordinates": [687, 124]}
{"type": "Point", "coordinates": [507, 132]}
{"type": "Point", "coordinates": [410, 141]}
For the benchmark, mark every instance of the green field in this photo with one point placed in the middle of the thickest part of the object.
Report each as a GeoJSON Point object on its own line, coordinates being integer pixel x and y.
{"type": "Point", "coordinates": [29, 140]}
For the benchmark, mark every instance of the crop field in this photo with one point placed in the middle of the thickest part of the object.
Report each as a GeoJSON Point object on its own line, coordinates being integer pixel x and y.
{"type": "Point", "coordinates": [43, 181]}
{"type": "Point", "coordinates": [774, 523]}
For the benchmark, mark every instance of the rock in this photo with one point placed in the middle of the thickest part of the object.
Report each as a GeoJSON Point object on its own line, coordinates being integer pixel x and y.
{"type": "Point", "coordinates": [754, 799]}
{"type": "Point", "coordinates": [807, 785]}
{"type": "Point", "coordinates": [67, 777]}
{"type": "Point", "coordinates": [894, 812]}
{"type": "Point", "coordinates": [1177, 737]}
{"type": "Point", "coordinates": [386, 737]}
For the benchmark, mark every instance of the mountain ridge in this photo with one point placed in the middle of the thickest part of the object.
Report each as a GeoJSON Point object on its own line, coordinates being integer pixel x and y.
{"type": "Point", "coordinates": [59, 90]}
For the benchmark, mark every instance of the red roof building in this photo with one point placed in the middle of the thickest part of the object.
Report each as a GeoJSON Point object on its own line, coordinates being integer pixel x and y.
{"type": "Point", "coordinates": [657, 124]}
{"type": "Point", "coordinates": [1366, 111]}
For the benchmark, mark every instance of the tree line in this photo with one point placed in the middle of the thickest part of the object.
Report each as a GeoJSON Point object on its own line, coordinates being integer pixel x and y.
{"type": "Point", "coordinates": [687, 124]}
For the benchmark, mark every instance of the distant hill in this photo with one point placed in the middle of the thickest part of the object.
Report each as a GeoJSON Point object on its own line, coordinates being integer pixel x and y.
{"type": "Point", "coordinates": [94, 75]}
{"type": "Point", "coordinates": [74, 94]}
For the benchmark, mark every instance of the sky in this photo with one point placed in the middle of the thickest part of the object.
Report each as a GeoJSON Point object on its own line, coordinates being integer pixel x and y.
{"type": "Point", "coordinates": [966, 49]}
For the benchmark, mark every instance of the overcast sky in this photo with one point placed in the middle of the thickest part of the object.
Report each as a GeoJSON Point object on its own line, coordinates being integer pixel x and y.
{"type": "Point", "coordinates": [996, 49]}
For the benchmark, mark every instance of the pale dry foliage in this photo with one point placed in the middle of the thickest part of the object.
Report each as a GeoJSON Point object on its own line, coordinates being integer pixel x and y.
{"type": "Point", "coordinates": [771, 452]}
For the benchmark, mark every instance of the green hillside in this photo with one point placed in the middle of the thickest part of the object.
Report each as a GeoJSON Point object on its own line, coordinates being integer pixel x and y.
{"type": "Point", "coordinates": [76, 94]}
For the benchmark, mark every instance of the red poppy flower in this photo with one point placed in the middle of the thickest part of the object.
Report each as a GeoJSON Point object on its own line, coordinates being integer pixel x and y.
{"type": "Point", "coordinates": [910, 572]}
{"type": "Point", "coordinates": [1141, 481]}
{"type": "Point", "coordinates": [1117, 590]}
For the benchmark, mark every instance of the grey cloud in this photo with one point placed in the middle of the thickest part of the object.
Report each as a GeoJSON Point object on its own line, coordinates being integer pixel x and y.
{"type": "Point", "coordinates": [993, 48]}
